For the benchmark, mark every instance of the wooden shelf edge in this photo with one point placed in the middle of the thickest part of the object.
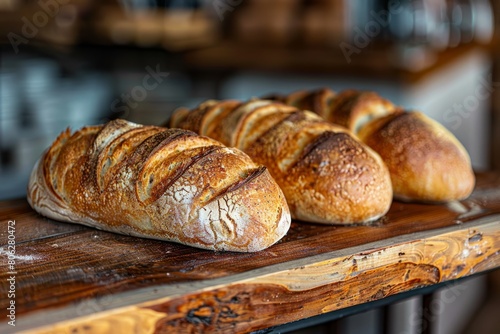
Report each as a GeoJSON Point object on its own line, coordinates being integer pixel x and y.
{"type": "Point", "coordinates": [290, 291]}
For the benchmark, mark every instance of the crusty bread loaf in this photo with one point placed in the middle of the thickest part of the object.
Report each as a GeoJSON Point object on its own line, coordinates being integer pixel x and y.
{"type": "Point", "coordinates": [350, 108]}
{"type": "Point", "coordinates": [326, 174]}
{"type": "Point", "coordinates": [167, 184]}
{"type": "Point", "coordinates": [427, 163]}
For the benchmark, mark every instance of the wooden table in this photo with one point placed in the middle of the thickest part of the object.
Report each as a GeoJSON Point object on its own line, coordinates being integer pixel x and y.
{"type": "Point", "coordinates": [73, 279]}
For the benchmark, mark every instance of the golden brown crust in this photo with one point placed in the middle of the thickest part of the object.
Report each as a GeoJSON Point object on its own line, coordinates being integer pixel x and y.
{"type": "Point", "coordinates": [427, 163]}
{"type": "Point", "coordinates": [315, 100]}
{"type": "Point", "coordinates": [167, 184]}
{"type": "Point", "coordinates": [418, 155]}
{"type": "Point", "coordinates": [353, 109]}
{"type": "Point", "coordinates": [326, 174]}
{"type": "Point", "coordinates": [349, 108]}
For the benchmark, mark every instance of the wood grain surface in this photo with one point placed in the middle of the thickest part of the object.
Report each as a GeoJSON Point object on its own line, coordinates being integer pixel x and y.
{"type": "Point", "coordinates": [72, 279]}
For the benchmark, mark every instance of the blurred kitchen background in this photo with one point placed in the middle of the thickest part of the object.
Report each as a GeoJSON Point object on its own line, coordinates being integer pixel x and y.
{"type": "Point", "coordinates": [79, 62]}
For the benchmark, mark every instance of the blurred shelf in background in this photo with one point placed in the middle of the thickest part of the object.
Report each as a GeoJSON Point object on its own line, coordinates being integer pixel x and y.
{"type": "Point", "coordinates": [387, 62]}
{"type": "Point", "coordinates": [177, 25]}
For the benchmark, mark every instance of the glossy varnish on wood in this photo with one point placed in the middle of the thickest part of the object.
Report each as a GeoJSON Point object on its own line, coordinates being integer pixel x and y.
{"type": "Point", "coordinates": [72, 278]}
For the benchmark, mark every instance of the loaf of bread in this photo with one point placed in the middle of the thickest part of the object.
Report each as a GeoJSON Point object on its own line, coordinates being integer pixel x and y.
{"type": "Point", "coordinates": [426, 162]}
{"type": "Point", "coordinates": [326, 174]}
{"type": "Point", "coordinates": [166, 184]}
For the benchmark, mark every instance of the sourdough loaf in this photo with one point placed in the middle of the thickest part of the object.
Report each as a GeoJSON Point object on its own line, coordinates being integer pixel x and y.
{"type": "Point", "coordinates": [326, 174]}
{"type": "Point", "coordinates": [426, 161]}
{"type": "Point", "coordinates": [166, 184]}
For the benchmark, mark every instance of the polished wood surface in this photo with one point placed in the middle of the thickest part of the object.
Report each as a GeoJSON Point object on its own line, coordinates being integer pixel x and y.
{"type": "Point", "coordinates": [71, 278]}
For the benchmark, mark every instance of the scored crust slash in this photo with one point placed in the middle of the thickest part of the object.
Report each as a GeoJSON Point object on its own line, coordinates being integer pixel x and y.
{"type": "Point", "coordinates": [166, 184]}
{"type": "Point", "coordinates": [196, 183]}
{"type": "Point", "coordinates": [417, 150]}
{"type": "Point", "coordinates": [327, 175]}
